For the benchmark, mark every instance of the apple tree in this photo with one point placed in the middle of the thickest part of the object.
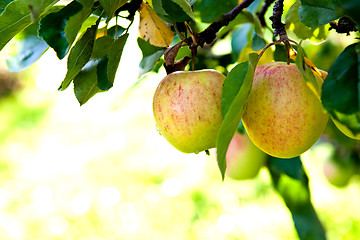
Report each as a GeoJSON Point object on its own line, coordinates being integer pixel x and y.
{"type": "Point", "coordinates": [187, 38]}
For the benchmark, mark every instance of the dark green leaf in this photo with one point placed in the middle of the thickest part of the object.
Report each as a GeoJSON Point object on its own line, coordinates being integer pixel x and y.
{"type": "Point", "coordinates": [13, 20]}
{"type": "Point", "coordinates": [151, 54]}
{"type": "Point", "coordinates": [178, 10]}
{"type": "Point", "coordinates": [241, 38]}
{"type": "Point", "coordinates": [301, 30]}
{"type": "Point", "coordinates": [79, 56]}
{"type": "Point", "coordinates": [290, 180]}
{"type": "Point", "coordinates": [110, 6]}
{"type": "Point", "coordinates": [29, 48]}
{"type": "Point", "coordinates": [3, 4]}
{"type": "Point", "coordinates": [111, 63]}
{"type": "Point", "coordinates": [340, 89]}
{"type": "Point", "coordinates": [38, 6]}
{"type": "Point", "coordinates": [85, 83]}
{"type": "Point", "coordinates": [116, 31]}
{"type": "Point", "coordinates": [258, 42]}
{"type": "Point", "coordinates": [75, 22]}
{"type": "Point", "coordinates": [101, 46]}
{"type": "Point", "coordinates": [52, 28]}
{"type": "Point", "coordinates": [318, 12]}
{"type": "Point", "coordinates": [211, 10]}
{"type": "Point", "coordinates": [102, 78]}
{"type": "Point", "coordinates": [233, 110]}
{"type": "Point", "coordinates": [351, 9]}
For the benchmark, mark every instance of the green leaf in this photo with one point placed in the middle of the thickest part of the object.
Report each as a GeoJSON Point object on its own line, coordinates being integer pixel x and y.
{"type": "Point", "coordinates": [318, 12]}
{"type": "Point", "coordinates": [73, 25]}
{"type": "Point", "coordinates": [110, 6]}
{"type": "Point", "coordinates": [178, 10]}
{"type": "Point", "coordinates": [13, 20]}
{"type": "Point", "coordinates": [150, 56]}
{"type": "Point", "coordinates": [351, 9]}
{"type": "Point", "coordinates": [302, 31]}
{"type": "Point", "coordinates": [110, 63]}
{"type": "Point", "coordinates": [102, 46]}
{"type": "Point", "coordinates": [212, 10]}
{"type": "Point", "coordinates": [241, 38]}
{"type": "Point", "coordinates": [38, 6]}
{"type": "Point", "coordinates": [233, 103]}
{"type": "Point", "coordinates": [3, 4]}
{"type": "Point", "coordinates": [79, 56]}
{"type": "Point", "coordinates": [85, 83]}
{"type": "Point", "coordinates": [290, 180]}
{"type": "Point", "coordinates": [52, 28]}
{"type": "Point", "coordinates": [29, 48]}
{"type": "Point", "coordinates": [306, 71]}
{"type": "Point", "coordinates": [341, 91]}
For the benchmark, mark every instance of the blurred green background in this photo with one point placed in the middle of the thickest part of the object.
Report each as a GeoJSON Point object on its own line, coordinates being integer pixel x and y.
{"type": "Point", "coordinates": [102, 171]}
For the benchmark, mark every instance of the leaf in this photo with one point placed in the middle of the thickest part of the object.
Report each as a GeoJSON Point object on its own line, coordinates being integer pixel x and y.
{"type": "Point", "coordinates": [240, 38]}
{"type": "Point", "coordinates": [79, 56]}
{"type": "Point", "coordinates": [302, 31]}
{"type": "Point", "coordinates": [85, 83]}
{"type": "Point", "coordinates": [232, 105]}
{"type": "Point", "coordinates": [110, 6]}
{"type": "Point", "coordinates": [340, 91]}
{"type": "Point", "coordinates": [38, 6]}
{"type": "Point", "coordinates": [152, 28]}
{"type": "Point", "coordinates": [29, 48]}
{"type": "Point", "coordinates": [101, 47]}
{"type": "Point", "coordinates": [150, 56]}
{"type": "Point", "coordinates": [73, 25]}
{"type": "Point", "coordinates": [13, 20]}
{"type": "Point", "coordinates": [178, 10]}
{"type": "Point", "coordinates": [52, 28]}
{"type": "Point", "coordinates": [3, 4]}
{"type": "Point", "coordinates": [212, 10]}
{"type": "Point", "coordinates": [290, 180]}
{"type": "Point", "coordinates": [317, 12]}
{"type": "Point", "coordinates": [108, 65]}
{"type": "Point", "coordinates": [303, 64]}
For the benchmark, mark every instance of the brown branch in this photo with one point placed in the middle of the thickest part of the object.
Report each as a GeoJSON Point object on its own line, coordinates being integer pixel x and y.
{"type": "Point", "coordinates": [131, 7]}
{"type": "Point", "coordinates": [261, 13]}
{"type": "Point", "coordinates": [277, 25]}
{"type": "Point", "coordinates": [209, 34]}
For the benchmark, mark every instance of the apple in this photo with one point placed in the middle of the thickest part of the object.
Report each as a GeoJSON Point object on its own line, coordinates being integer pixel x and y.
{"type": "Point", "coordinates": [187, 109]}
{"type": "Point", "coordinates": [283, 116]}
{"type": "Point", "coordinates": [243, 158]}
{"type": "Point", "coordinates": [338, 173]}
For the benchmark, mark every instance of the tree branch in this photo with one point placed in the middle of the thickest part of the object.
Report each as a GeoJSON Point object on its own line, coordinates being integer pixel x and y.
{"type": "Point", "coordinates": [261, 13]}
{"type": "Point", "coordinates": [277, 25]}
{"type": "Point", "coordinates": [209, 34]}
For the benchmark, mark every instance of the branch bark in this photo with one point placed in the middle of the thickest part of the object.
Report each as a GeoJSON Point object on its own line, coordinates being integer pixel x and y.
{"type": "Point", "coordinates": [209, 34]}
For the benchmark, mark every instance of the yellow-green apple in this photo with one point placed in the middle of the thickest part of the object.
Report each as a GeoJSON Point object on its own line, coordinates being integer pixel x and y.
{"type": "Point", "coordinates": [283, 116]}
{"type": "Point", "coordinates": [243, 158]}
{"type": "Point", "coordinates": [338, 172]}
{"type": "Point", "coordinates": [187, 109]}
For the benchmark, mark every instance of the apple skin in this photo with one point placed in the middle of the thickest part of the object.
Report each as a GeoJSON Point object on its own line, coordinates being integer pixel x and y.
{"type": "Point", "coordinates": [283, 117]}
{"type": "Point", "coordinates": [336, 174]}
{"type": "Point", "coordinates": [243, 158]}
{"type": "Point", "coordinates": [187, 109]}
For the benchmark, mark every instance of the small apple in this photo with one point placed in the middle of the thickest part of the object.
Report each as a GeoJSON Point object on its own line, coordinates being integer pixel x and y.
{"type": "Point", "coordinates": [283, 117]}
{"type": "Point", "coordinates": [243, 158]}
{"type": "Point", "coordinates": [338, 173]}
{"type": "Point", "coordinates": [187, 109]}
